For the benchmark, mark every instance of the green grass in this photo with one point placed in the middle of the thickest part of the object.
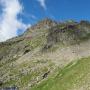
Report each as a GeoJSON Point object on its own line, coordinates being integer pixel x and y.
{"type": "Point", "coordinates": [70, 77]}
{"type": "Point", "coordinates": [21, 79]}
{"type": "Point", "coordinates": [37, 41]}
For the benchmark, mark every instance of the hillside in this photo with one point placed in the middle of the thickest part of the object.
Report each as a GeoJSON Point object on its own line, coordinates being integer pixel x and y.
{"type": "Point", "coordinates": [74, 76]}
{"type": "Point", "coordinates": [48, 56]}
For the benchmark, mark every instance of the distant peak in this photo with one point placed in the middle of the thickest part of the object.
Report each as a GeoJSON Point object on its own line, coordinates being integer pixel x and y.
{"type": "Point", "coordinates": [46, 20]}
{"type": "Point", "coordinates": [44, 23]}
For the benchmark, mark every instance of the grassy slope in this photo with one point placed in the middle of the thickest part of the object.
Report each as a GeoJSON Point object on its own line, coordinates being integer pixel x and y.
{"type": "Point", "coordinates": [26, 73]}
{"type": "Point", "coordinates": [72, 77]}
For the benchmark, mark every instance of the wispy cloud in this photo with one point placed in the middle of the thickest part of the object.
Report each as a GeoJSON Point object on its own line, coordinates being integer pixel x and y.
{"type": "Point", "coordinates": [27, 15]}
{"type": "Point", "coordinates": [33, 16]}
{"type": "Point", "coordinates": [9, 22]}
{"type": "Point", "coordinates": [42, 3]}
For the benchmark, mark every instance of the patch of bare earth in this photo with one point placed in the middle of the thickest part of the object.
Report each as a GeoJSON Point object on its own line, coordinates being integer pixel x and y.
{"type": "Point", "coordinates": [61, 56]}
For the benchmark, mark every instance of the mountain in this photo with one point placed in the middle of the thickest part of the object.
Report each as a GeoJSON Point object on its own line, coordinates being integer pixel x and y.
{"type": "Point", "coordinates": [50, 55]}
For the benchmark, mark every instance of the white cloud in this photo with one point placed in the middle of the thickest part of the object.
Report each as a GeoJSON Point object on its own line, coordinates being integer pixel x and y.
{"type": "Point", "coordinates": [27, 15]}
{"type": "Point", "coordinates": [33, 17]}
{"type": "Point", "coordinates": [42, 3]}
{"type": "Point", "coordinates": [9, 22]}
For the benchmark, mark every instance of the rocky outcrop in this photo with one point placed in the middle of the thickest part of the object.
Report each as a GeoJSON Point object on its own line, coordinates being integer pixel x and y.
{"type": "Point", "coordinates": [68, 33]}
{"type": "Point", "coordinates": [46, 23]}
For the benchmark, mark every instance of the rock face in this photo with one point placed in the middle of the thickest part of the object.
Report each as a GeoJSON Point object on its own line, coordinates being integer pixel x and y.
{"type": "Point", "coordinates": [46, 23]}
{"type": "Point", "coordinates": [43, 24]}
{"type": "Point", "coordinates": [68, 33]}
{"type": "Point", "coordinates": [22, 62]}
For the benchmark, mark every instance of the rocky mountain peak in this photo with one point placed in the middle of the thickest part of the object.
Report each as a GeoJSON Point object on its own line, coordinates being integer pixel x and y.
{"type": "Point", "coordinates": [45, 23]}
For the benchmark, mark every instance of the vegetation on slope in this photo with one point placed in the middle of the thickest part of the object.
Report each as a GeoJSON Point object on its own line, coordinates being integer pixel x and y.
{"type": "Point", "coordinates": [22, 62]}
{"type": "Point", "coordinates": [72, 77]}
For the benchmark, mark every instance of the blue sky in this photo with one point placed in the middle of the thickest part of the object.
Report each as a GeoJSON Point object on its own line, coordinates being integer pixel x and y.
{"type": "Point", "coordinates": [58, 9]}
{"type": "Point", "coordinates": [17, 15]}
